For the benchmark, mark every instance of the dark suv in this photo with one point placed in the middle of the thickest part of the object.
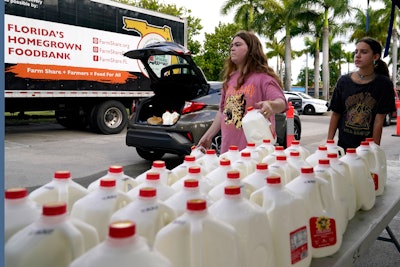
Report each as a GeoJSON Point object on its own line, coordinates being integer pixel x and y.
{"type": "Point", "coordinates": [179, 86]}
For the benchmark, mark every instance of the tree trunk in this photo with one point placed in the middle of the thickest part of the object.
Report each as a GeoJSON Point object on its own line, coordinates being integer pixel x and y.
{"type": "Point", "coordinates": [394, 56]}
{"type": "Point", "coordinates": [316, 68]}
{"type": "Point", "coordinates": [288, 63]}
{"type": "Point", "coordinates": [325, 58]}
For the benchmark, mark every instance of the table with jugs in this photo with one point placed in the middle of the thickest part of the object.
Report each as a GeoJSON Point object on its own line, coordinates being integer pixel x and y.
{"type": "Point", "coordinates": [264, 205]}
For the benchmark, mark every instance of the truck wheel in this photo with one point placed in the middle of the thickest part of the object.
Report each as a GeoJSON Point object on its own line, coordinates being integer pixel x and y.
{"type": "Point", "coordinates": [110, 117]}
{"type": "Point", "coordinates": [150, 155]}
{"type": "Point", "coordinates": [71, 120]}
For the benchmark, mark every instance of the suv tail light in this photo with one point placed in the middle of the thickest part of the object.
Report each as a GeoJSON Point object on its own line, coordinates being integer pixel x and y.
{"type": "Point", "coordinates": [192, 107]}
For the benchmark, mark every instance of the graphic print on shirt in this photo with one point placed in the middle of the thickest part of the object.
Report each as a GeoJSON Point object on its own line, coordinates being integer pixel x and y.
{"type": "Point", "coordinates": [234, 110]}
{"type": "Point", "coordinates": [359, 113]}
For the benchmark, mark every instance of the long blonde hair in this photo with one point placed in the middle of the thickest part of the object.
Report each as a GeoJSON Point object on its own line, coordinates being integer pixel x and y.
{"type": "Point", "coordinates": [256, 61]}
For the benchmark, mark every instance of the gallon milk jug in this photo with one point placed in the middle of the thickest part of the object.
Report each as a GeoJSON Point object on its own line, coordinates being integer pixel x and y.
{"type": "Point", "coordinates": [344, 170]}
{"type": "Point", "coordinates": [124, 182]}
{"type": "Point", "coordinates": [251, 224]}
{"type": "Point", "coordinates": [153, 180]}
{"type": "Point", "coordinates": [361, 179]}
{"type": "Point", "coordinates": [265, 148]}
{"type": "Point", "coordinates": [197, 239]}
{"type": "Point", "coordinates": [123, 248]}
{"type": "Point", "coordinates": [232, 154]}
{"type": "Point", "coordinates": [256, 127]}
{"type": "Point", "coordinates": [256, 180]}
{"type": "Point", "coordinates": [149, 214]}
{"type": "Point", "coordinates": [269, 159]}
{"type": "Point", "coordinates": [334, 148]}
{"type": "Point", "coordinates": [295, 146]}
{"type": "Point", "coordinates": [182, 169]}
{"type": "Point", "coordinates": [254, 153]}
{"type": "Point", "coordinates": [283, 169]}
{"type": "Point", "coordinates": [245, 165]}
{"type": "Point", "coordinates": [19, 211]}
{"type": "Point", "coordinates": [232, 179]}
{"type": "Point", "coordinates": [365, 151]}
{"type": "Point", "coordinates": [194, 172]}
{"type": "Point", "coordinates": [338, 187]}
{"type": "Point", "coordinates": [296, 161]}
{"type": "Point", "coordinates": [290, 236]}
{"type": "Point", "coordinates": [97, 207]}
{"type": "Point", "coordinates": [326, 235]}
{"type": "Point", "coordinates": [53, 240]}
{"type": "Point", "coordinates": [320, 153]}
{"type": "Point", "coordinates": [208, 162]}
{"type": "Point", "coordinates": [61, 188]}
{"type": "Point", "coordinates": [380, 158]}
{"type": "Point", "coordinates": [218, 175]}
{"type": "Point", "coordinates": [157, 166]}
{"type": "Point", "coordinates": [190, 190]}
{"type": "Point", "coordinates": [197, 151]}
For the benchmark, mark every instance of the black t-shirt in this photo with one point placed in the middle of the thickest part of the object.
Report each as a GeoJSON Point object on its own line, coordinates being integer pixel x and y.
{"type": "Point", "coordinates": [358, 105]}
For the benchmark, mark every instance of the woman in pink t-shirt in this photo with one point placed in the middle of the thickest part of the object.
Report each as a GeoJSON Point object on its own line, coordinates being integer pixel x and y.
{"type": "Point", "coordinates": [248, 81]}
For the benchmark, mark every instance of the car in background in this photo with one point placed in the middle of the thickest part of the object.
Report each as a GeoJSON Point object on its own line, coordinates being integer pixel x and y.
{"type": "Point", "coordinates": [180, 88]}
{"type": "Point", "coordinates": [297, 102]}
{"type": "Point", "coordinates": [311, 105]}
{"type": "Point", "coordinates": [392, 116]}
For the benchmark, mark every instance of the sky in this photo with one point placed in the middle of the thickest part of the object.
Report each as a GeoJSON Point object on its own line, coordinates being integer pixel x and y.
{"type": "Point", "coordinates": [209, 13]}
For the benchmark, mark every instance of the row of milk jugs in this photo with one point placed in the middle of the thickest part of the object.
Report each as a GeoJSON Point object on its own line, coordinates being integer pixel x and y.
{"type": "Point", "coordinates": [262, 206]}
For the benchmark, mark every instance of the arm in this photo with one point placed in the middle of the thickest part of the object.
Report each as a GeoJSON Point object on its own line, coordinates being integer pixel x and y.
{"type": "Point", "coordinates": [215, 127]}
{"type": "Point", "coordinates": [333, 125]}
{"type": "Point", "coordinates": [377, 128]}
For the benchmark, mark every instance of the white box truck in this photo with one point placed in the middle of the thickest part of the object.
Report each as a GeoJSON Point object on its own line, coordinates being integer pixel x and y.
{"type": "Point", "coordinates": [67, 56]}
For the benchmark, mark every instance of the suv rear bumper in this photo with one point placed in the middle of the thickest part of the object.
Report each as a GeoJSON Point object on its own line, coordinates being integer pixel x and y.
{"type": "Point", "coordinates": [168, 142]}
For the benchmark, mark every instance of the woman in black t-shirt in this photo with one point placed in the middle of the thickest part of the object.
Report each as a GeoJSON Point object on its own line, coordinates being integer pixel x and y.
{"type": "Point", "coordinates": [362, 99]}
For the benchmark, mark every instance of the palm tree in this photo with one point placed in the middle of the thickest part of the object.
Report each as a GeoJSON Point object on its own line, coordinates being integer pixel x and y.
{"type": "Point", "coordinates": [314, 48]}
{"type": "Point", "coordinates": [245, 11]}
{"type": "Point", "coordinates": [349, 57]}
{"type": "Point", "coordinates": [276, 49]}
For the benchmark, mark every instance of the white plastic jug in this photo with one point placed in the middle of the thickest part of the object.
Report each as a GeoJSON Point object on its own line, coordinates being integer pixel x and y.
{"type": "Point", "coordinates": [283, 169]}
{"type": "Point", "coordinates": [123, 247]}
{"type": "Point", "coordinates": [125, 183]}
{"type": "Point", "coordinates": [232, 154]}
{"type": "Point", "coordinates": [296, 146]}
{"type": "Point", "coordinates": [208, 162]}
{"type": "Point", "coordinates": [19, 211]}
{"type": "Point", "coordinates": [380, 158]}
{"type": "Point", "coordinates": [256, 127]}
{"type": "Point", "coordinates": [199, 240]}
{"type": "Point", "coordinates": [156, 166]}
{"type": "Point", "coordinates": [296, 161]}
{"type": "Point", "coordinates": [194, 172]}
{"type": "Point", "coordinates": [250, 222]}
{"type": "Point", "coordinates": [181, 170]}
{"type": "Point", "coordinates": [265, 148]}
{"type": "Point", "coordinates": [256, 180]}
{"type": "Point", "coordinates": [245, 165]}
{"type": "Point", "coordinates": [149, 214]}
{"type": "Point", "coordinates": [269, 159]}
{"type": "Point", "coordinates": [218, 175]}
{"type": "Point", "coordinates": [61, 188]}
{"type": "Point", "coordinates": [332, 147]}
{"type": "Point", "coordinates": [254, 153]}
{"type": "Point", "coordinates": [153, 180]}
{"type": "Point", "coordinates": [366, 152]}
{"type": "Point", "coordinates": [291, 235]}
{"type": "Point", "coordinates": [98, 206]}
{"type": "Point", "coordinates": [53, 240]}
{"type": "Point", "coordinates": [320, 153]}
{"type": "Point", "coordinates": [326, 235]}
{"type": "Point", "coordinates": [190, 190]}
{"type": "Point", "coordinates": [232, 179]}
{"type": "Point", "coordinates": [198, 151]}
{"type": "Point", "coordinates": [361, 179]}
{"type": "Point", "coordinates": [343, 169]}
{"type": "Point", "coordinates": [339, 190]}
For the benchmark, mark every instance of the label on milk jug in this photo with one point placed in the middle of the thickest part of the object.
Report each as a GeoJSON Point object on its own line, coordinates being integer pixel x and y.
{"type": "Point", "coordinates": [323, 231]}
{"type": "Point", "coordinates": [298, 244]}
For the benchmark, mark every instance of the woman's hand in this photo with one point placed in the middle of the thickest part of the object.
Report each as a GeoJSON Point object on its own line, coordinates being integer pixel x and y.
{"type": "Point", "coordinates": [265, 108]}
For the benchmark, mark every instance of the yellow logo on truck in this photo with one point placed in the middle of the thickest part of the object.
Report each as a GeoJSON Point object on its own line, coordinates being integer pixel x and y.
{"type": "Point", "coordinates": [143, 28]}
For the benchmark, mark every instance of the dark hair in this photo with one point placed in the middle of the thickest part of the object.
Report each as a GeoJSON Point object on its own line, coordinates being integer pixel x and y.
{"type": "Point", "coordinates": [256, 60]}
{"type": "Point", "coordinates": [380, 65]}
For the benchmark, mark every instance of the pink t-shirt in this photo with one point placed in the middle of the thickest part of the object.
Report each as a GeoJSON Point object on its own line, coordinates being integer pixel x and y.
{"type": "Point", "coordinates": [234, 103]}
